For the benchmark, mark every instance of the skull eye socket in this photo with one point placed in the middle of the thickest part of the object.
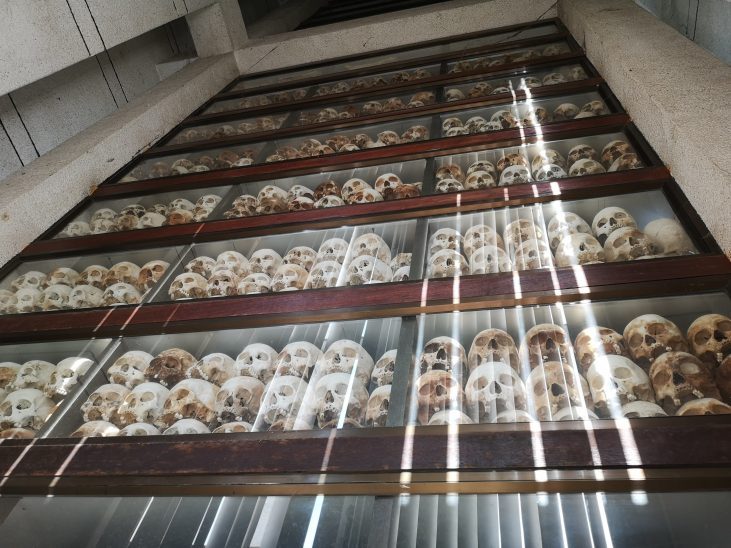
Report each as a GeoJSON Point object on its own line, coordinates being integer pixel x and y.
{"type": "Point", "coordinates": [622, 373]}
{"type": "Point", "coordinates": [147, 396]}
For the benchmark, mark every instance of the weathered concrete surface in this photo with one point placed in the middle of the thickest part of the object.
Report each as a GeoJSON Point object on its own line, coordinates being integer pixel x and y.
{"type": "Point", "coordinates": [38, 195]}
{"type": "Point", "coordinates": [217, 29]}
{"type": "Point", "coordinates": [389, 30]}
{"type": "Point", "coordinates": [676, 92]}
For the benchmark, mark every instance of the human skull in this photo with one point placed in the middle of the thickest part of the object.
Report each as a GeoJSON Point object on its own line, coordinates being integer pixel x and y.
{"type": "Point", "coordinates": [189, 399]}
{"type": "Point", "coordinates": [585, 166]}
{"type": "Point", "coordinates": [256, 360]}
{"type": "Point", "coordinates": [505, 118]}
{"type": "Point", "coordinates": [489, 260]}
{"type": "Point", "coordinates": [345, 356]}
{"type": "Point", "coordinates": [152, 220]}
{"type": "Point", "coordinates": [377, 406]}
{"type": "Point", "coordinates": [615, 381]}
{"type": "Point", "coordinates": [234, 428]}
{"type": "Point", "coordinates": [704, 406]}
{"type": "Point", "coordinates": [352, 187]}
{"type": "Point", "coordinates": [297, 359]}
{"type": "Point", "coordinates": [75, 229]}
{"type": "Point", "coordinates": [122, 272]}
{"type": "Point", "coordinates": [129, 368]}
{"type": "Point", "coordinates": [453, 94]}
{"type": "Point", "coordinates": [437, 390]}
{"type": "Point", "coordinates": [532, 254]}
{"type": "Point", "coordinates": [579, 249]}
{"type": "Point", "coordinates": [301, 255]}
{"type": "Point", "coordinates": [543, 343]}
{"type": "Point", "coordinates": [289, 277]}
{"type": "Point", "coordinates": [450, 171]}
{"type": "Point", "coordinates": [450, 416]}
{"type": "Point", "coordinates": [593, 343]}
{"type": "Point", "coordinates": [8, 373]}
{"type": "Point", "coordinates": [232, 261]}
{"type": "Point", "coordinates": [327, 188]}
{"type": "Point", "coordinates": [181, 203]}
{"type": "Point", "coordinates": [474, 123]}
{"type": "Point", "coordinates": [515, 175]}
{"type": "Point", "coordinates": [581, 152]}
{"type": "Point", "coordinates": [188, 285]}
{"type": "Point", "coordinates": [282, 400]}
{"type": "Point", "coordinates": [323, 274]}
{"type": "Point", "coordinates": [450, 123]}
{"type": "Point", "coordinates": [66, 376]}
{"type": "Point", "coordinates": [254, 283]}
{"type": "Point", "coordinates": [160, 209]}
{"type": "Point", "coordinates": [331, 406]}
{"type": "Point", "coordinates": [613, 150]}
{"type": "Point", "coordinates": [384, 368]}
{"type": "Point", "coordinates": [549, 172]}
{"type": "Point", "coordinates": [169, 366]}
{"type": "Point", "coordinates": [627, 244]}
{"type": "Point", "coordinates": [27, 299]}
{"type": "Point", "coordinates": [243, 206]}
{"type": "Point", "coordinates": [514, 416]}
{"type": "Point", "coordinates": [480, 179]}
{"type": "Point", "coordinates": [121, 294]}
{"type": "Point", "coordinates": [151, 273]}
{"type": "Point", "coordinates": [648, 336]}
{"type": "Point", "coordinates": [610, 219]}
{"type": "Point", "coordinates": [95, 429]}
{"type": "Point", "coordinates": [55, 297]}
{"type": "Point", "coordinates": [239, 400]}
{"type": "Point", "coordinates": [445, 238]}
{"type": "Point", "coordinates": [366, 270]}
{"type": "Point", "coordinates": [492, 388]}
{"type": "Point", "coordinates": [222, 283]}
{"type": "Point", "coordinates": [301, 203]}
{"type": "Point", "coordinates": [444, 354]}
{"type": "Point", "coordinates": [519, 231]}
{"type": "Point", "coordinates": [33, 374]}
{"type": "Point", "coordinates": [104, 403]}
{"type": "Point", "coordinates": [143, 405]}
{"type": "Point", "coordinates": [139, 429]}
{"type": "Point", "coordinates": [201, 265]}
{"type": "Point", "coordinates": [669, 237]}
{"type": "Point", "coordinates": [26, 408]}
{"type": "Point", "coordinates": [62, 276]}
{"type": "Point", "coordinates": [553, 78]}
{"type": "Point", "coordinates": [334, 249]}
{"type": "Point", "coordinates": [447, 263]}
{"type": "Point", "coordinates": [269, 206]}
{"type": "Point", "coordinates": [479, 236]}
{"type": "Point", "coordinates": [8, 301]}
{"type": "Point", "coordinates": [493, 345]}
{"type": "Point", "coordinates": [265, 261]}
{"type": "Point", "coordinates": [679, 377]}
{"type": "Point", "coordinates": [17, 434]}
{"type": "Point", "coordinates": [411, 135]}
{"type": "Point", "coordinates": [564, 224]}
{"type": "Point", "coordinates": [445, 186]}
{"type": "Point", "coordinates": [371, 244]}
{"type": "Point", "coordinates": [642, 409]}
{"type": "Point", "coordinates": [216, 368]}
{"type": "Point", "coordinates": [387, 181]}
{"type": "Point", "coordinates": [710, 338]}
{"type": "Point", "coordinates": [596, 108]}
{"type": "Point", "coordinates": [552, 387]}
{"type": "Point", "coordinates": [186, 427]}
{"type": "Point", "coordinates": [626, 161]}
{"type": "Point", "coordinates": [329, 201]}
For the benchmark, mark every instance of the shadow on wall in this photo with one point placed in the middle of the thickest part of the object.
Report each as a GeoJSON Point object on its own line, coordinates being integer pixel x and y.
{"type": "Point", "coordinates": [706, 22]}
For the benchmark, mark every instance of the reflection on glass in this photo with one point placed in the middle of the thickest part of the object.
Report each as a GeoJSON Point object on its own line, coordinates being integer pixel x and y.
{"type": "Point", "coordinates": [541, 162]}
{"type": "Point", "coordinates": [149, 211]}
{"type": "Point", "coordinates": [494, 86]}
{"type": "Point", "coordinates": [561, 234]}
{"type": "Point", "coordinates": [289, 262]}
{"type": "Point", "coordinates": [269, 379]}
{"type": "Point", "coordinates": [113, 279]}
{"type": "Point", "coordinates": [574, 362]}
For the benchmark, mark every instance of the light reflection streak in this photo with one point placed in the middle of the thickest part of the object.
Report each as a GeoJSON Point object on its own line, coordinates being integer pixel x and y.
{"type": "Point", "coordinates": [142, 518]}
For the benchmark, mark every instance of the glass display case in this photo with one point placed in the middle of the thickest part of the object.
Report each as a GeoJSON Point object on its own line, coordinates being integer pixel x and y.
{"type": "Point", "coordinates": [233, 128]}
{"type": "Point", "coordinates": [92, 281]}
{"type": "Point", "coordinates": [498, 59]}
{"type": "Point", "coordinates": [258, 101]}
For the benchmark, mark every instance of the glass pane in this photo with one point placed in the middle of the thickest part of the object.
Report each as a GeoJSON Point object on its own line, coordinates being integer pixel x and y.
{"type": "Point", "coordinates": [484, 87]}
{"type": "Point", "coordinates": [619, 228]}
{"type": "Point", "coordinates": [293, 377]}
{"type": "Point", "coordinates": [255, 101]}
{"type": "Point", "coordinates": [91, 281]}
{"type": "Point", "coordinates": [148, 211]}
{"type": "Point", "coordinates": [531, 112]}
{"type": "Point", "coordinates": [231, 128]}
{"type": "Point", "coordinates": [376, 81]}
{"type": "Point", "coordinates": [534, 163]}
{"type": "Point", "coordinates": [314, 259]}
{"type": "Point", "coordinates": [580, 361]}
{"type": "Point", "coordinates": [493, 60]}
{"type": "Point", "coordinates": [36, 378]}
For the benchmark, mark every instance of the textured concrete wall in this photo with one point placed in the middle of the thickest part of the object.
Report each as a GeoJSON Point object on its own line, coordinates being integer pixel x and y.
{"type": "Point", "coordinates": [42, 37]}
{"type": "Point", "coordinates": [39, 194]}
{"type": "Point", "coordinates": [676, 92]}
{"type": "Point", "coordinates": [387, 31]}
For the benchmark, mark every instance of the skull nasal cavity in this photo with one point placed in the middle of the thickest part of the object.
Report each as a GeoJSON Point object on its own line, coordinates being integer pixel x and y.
{"type": "Point", "coordinates": [678, 379]}
{"type": "Point", "coordinates": [495, 388]}
{"type": "Point", "coordinates": [557, 389]}
{"type": "Point", "coordinates": [441, 354]}
{"type": "Point", "coordinates": [550, 344]}
{"type": "Point", "coordinates": [650, 340]}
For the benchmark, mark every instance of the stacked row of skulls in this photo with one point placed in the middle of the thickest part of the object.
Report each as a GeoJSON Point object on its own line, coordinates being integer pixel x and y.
{"type": "Point", "coordinates": [194, 163]}
{"type": "Point", "coordinates": [368, 108]}
{"type": "Point", "coordinates": [179, 211]}
{"type": "Point", "coordinates": [370, 82]}
{"type": "Point", "coordinates": [368, 259]}
{"type": "Point", "coordinates": [569, 240]}
{"type": "Point", "coordinates": [519, 56]}
{"type": "Point", "coordinates": [521, 116]}
{"type": "Point", "coordinates": [547, 164]}
{"type": "Point", "coordinates": [273, 199]}
{"type": "Point", "coordinates": [262, 389]}
{"type": "Point", "coordinates": [483, 88]}
{"type": "Point", "coordinates": [203, 133]}
{"type": "Point", "coordinates": [343, 142]}
{"type": "Point", "coordinates": [64, 288]}
{"type": "Point", "coordinates": [278, 98]}
{"type": "Point", "coordinates": [31, 392]}
{"type": "Point", "coordinates": [651, 370]}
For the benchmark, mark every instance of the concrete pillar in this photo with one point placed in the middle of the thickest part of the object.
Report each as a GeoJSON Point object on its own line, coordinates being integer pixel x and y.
{"type": "Point", "coordinates": [218, 28]}
{"type": "Point", "coordinates": [676, 92]}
